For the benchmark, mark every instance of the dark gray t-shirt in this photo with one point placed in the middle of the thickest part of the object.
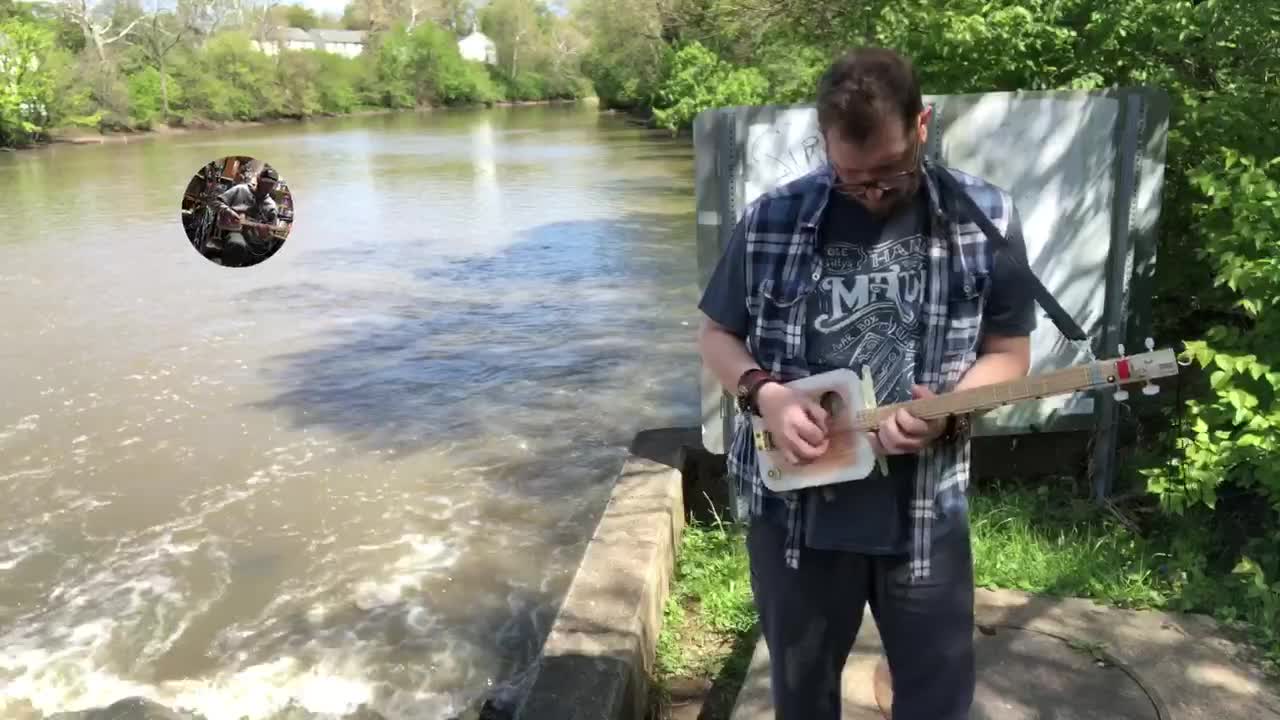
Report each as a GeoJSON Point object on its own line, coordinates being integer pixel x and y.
{"type": "Point", "coordinates": [866, 311]}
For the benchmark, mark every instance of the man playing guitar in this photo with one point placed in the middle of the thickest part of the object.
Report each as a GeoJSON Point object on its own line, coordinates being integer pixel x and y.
{"type": "Point", "coordinates": [241, 207]}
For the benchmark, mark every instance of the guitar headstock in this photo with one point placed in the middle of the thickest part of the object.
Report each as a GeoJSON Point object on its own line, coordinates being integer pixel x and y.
{"type": "Point", "coordinates": [1144, 367]}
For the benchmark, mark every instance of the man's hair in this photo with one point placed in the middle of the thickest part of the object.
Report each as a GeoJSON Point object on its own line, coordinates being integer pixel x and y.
{"type": "Point", "coordinates": [863, 89]}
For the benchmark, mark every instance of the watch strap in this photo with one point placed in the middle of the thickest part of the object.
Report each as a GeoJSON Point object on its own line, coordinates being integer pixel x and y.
{"type": "Point", "coordinates": [749, 385]}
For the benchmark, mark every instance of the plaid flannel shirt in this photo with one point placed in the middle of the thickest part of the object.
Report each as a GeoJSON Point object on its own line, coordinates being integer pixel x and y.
{"type": "Point", "coordinates": [782, 268]}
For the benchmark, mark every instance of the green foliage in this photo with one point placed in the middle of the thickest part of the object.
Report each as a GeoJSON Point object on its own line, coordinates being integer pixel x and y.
{"type": "Point", "coordinates": [337, 82]}
{"type": "Point", "coordinates": [1047, 540]}
{"type": "Point", "coordinates": [536, 50]}
{"type": "Point", "coordinates": [627, 58]}
{"type": "Point", "coordinates": [792, 72]}
{"type": "Point", "coordinates": [300, 16]}
{"type": "Point", "coordinates": [710, 602]}
{"type": "Point", "coordinates": [424, 67]}
{"type": "Point", "coordinates": [699, 80]}
{"type": "Point", "coordinates": [222, 77]}
{"type": "Point", "coordinates": [145, 103]}
{"type": "Point", "coordinates": [1235, 430]}
{"type": "Point", "coordinates": [25, 83]}
{"type": "Point", "coordinates": [230, 80]}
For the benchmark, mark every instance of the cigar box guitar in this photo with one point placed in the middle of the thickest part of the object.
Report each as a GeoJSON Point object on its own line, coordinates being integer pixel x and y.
{"type": "Point", "coordinates": [233, 220]}
{"type": "Point", "coordinates": [851, 404]}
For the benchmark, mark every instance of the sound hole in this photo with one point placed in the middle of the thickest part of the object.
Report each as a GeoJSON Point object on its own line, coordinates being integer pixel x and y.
{"type": "Point", "coordinates": [831, 402]}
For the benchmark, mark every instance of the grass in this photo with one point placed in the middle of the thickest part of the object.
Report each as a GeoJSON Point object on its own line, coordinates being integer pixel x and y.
{"type": "Point", "coordinates": [1042, 541]}
{"type": "Point", "coordinates": [709, 621]}
{"type": "Point", "coordinates": [1035, 538]}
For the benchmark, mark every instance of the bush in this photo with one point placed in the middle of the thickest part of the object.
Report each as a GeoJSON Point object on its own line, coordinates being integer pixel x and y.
{"type": "Point", "coordinates": [26, 93]}
{"type": "Point", "coordinates": [699, 81]}
{"type": "Point", "coordinates": [146, 105]}
{"type": "Point", "coordinates": [1236, 430]}
{"type": "Point", "coordinates": [229, 80]}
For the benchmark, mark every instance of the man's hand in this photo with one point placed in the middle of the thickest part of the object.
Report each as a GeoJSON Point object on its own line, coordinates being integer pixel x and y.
{"type": "Point", "coordinates": [905, 433]}
{"type": "Point", "coordinates": [797, 423]}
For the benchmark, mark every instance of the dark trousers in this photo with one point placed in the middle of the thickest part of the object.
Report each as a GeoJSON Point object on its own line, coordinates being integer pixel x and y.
{"type": "Point", "coordinates": [810, 618]}
{"type": "Point", "coordinates": [235, 250]}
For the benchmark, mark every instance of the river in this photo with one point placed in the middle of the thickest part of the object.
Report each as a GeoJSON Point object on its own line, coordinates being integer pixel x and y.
{"type": "Point", "coordinates": [361, 473]}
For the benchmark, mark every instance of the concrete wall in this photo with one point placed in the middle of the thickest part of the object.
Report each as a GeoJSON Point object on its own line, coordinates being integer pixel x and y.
{"type": "Point", "coordinates": [599, 655]}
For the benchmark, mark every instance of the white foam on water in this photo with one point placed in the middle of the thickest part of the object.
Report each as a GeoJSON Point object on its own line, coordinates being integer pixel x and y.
{"type": "Point", "coordinates": [105, 625]}
{"type": "Point", "coordinates": [408, 574]}
{"type": "Point", "coordinates": [26, 423]}
{"type": "Point", "coordinates": [66, 654]}
{"type": "Point", "coordinates": [15, 550]}
{"type": "Point", "coordinates": [39, 473]}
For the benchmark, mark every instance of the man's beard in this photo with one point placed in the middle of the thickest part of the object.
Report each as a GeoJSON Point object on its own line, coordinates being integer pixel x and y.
{"type": "Point", "coordinates": [900, 201]}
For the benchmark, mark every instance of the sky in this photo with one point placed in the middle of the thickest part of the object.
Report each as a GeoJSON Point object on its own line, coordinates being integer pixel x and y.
{"type": "Point", "coordinates": [324, 7]}
{"type": "Point", "coordinates": [336, 7]}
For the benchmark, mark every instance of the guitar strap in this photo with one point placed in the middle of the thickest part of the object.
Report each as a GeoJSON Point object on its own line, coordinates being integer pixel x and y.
{"type": "Point", "coordinates": [1060, 317]}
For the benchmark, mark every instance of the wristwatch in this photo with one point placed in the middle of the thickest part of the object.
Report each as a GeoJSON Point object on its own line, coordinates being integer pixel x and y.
{"type": "Point", "coordinates": [749, 386]}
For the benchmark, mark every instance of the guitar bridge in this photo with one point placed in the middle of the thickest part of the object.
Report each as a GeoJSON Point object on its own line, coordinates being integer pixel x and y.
{"type": "Point", "coordinates": [764, 441]}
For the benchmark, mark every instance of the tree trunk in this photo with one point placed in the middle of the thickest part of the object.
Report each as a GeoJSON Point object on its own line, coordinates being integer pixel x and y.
{"type": "Point", "coordinates": [164, 90]}
{"type": "Point", "coordinates": [99, 45]}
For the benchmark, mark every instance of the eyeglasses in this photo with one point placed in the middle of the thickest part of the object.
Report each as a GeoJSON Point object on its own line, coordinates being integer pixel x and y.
{"type": "Point", "coordinates": [888, 185]}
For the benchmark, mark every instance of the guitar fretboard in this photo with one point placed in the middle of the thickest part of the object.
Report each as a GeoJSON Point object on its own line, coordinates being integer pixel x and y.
{"type": "Point", "coordinates": [992, 396]}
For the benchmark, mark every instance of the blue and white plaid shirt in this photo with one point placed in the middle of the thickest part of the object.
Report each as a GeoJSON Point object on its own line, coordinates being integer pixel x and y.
{"type": "Point", "coordinates": [783, 268]}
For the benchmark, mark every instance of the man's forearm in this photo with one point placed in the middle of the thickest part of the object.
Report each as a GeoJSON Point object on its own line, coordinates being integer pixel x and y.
{"type": "Point", "coordinates": [725, 354]}
{"type": "Point", "coordinates": [994, 367]}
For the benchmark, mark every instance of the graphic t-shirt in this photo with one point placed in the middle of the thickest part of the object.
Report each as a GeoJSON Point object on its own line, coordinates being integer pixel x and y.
{"type": "Point", "coordinates": [866, 313]}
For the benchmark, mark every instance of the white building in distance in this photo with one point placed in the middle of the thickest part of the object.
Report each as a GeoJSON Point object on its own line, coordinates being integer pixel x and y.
{"type": "Point", "coordinates": [478, 47]}
{"type": "Point", "coordinates": [348, 43]}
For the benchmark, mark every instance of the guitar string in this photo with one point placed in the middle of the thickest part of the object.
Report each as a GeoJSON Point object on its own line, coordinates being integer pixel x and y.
{"type": "Point", "coordinates": [1055, 383]}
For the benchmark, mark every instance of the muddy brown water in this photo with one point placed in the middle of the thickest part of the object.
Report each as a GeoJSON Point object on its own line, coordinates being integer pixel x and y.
{"type": "Point", "coordinates": [360, 473]}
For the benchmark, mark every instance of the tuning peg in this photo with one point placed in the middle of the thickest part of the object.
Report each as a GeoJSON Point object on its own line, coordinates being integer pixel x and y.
{"type": "Point", "coordinates": [1150, 389]}
{"type": "Point", "coordinates": [1122, 395]}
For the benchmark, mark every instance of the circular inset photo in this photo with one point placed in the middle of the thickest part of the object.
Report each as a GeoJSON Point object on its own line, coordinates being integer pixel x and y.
{"type": "Point", "coordinates": [237, 211]}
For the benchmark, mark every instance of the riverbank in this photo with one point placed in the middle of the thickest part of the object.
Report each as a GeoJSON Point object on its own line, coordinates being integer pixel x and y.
{"type": "Point", "coordinates": [79, 135]}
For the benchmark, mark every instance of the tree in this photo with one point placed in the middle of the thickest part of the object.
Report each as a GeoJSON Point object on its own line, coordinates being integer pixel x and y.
{"type": "Point", "coordinates": [25, 87]}
{"type": "Point", "coordinates": [96, 29]}
{"type": "Point", "coordinates": [301, 17]}
{"type": "Point", "coordinates": [157, 36]}
{"type": "Point", "coordinates": [207, 17]}
{"type": "Point", "coordinates": [514, 26]}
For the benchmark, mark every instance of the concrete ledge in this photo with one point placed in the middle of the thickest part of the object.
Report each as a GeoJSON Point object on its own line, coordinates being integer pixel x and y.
{"type": "Point", "coordinates": [599, 655]}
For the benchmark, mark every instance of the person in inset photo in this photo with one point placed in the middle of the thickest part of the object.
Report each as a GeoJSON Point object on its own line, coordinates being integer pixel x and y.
{"type": "Point", "coordinates": [250, 217]}
{"type": "Point", "coordinates": [237, 212]}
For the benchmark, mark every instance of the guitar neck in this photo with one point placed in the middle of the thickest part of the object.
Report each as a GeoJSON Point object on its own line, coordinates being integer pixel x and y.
{"type": "Point", "coordinates": [250, 224]}
{"type": "Point", "coordinates": [1083, 377]}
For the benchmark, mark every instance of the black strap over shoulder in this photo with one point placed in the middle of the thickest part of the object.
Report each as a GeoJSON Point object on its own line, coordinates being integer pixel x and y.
{"type": "Point", "coordinates": [1063, 320]}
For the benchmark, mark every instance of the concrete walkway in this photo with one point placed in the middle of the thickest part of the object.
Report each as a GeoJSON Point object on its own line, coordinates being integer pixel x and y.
{"type": "Point", "coordinates": [1071, 659]}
